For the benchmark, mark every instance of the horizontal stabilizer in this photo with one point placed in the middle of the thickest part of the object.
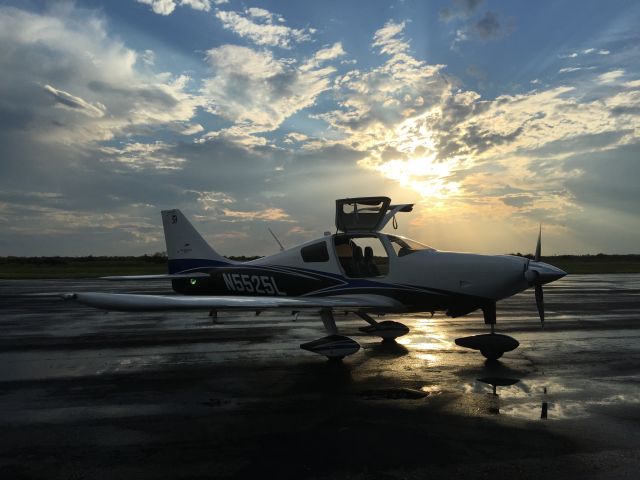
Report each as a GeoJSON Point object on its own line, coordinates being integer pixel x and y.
{"type": "Point", "coordinates": [166, 276]}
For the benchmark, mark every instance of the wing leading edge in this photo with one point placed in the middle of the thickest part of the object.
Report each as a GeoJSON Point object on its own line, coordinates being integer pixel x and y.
{"type": "Point", "coordinates": [137, 303]}
{"type": "Point", "coordinates": [164, 276]}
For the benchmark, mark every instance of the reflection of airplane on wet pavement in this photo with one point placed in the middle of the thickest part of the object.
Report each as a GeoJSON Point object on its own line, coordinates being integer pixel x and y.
{"type": "Point", "coordinates": [358, 269]}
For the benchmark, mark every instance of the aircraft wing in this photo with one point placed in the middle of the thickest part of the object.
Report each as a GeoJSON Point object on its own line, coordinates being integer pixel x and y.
{"type": "Point", "coordinates": [134, 302]}
{"type": "Point", "coordinates": [165, 276]}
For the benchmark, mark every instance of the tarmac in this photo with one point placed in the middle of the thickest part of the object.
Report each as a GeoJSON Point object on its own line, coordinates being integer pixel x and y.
{"type": "Point", "coordinates": [85, 394]}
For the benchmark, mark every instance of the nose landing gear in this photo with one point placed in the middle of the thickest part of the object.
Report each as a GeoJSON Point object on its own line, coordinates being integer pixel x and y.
{"type": "Point", "coordinates": [491, 345]}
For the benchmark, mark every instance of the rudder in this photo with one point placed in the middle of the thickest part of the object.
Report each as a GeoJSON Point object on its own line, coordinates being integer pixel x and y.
{"type": "Point", "coordinates": [186, 249]}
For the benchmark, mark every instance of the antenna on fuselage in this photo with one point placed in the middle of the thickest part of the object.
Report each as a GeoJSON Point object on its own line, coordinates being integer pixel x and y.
{"type": "Point", "coordinates": [276, 239]}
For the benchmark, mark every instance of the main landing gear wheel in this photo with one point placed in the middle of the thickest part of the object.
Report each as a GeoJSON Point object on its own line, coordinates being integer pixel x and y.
{"type": "Point", "coordinates": [387, 330]}
{"type": "Point", "coordinates": [335, 347]}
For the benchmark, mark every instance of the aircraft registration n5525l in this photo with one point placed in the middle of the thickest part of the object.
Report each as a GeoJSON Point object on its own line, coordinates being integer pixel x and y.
{"type": "Point", "coordinates": [358, 269]}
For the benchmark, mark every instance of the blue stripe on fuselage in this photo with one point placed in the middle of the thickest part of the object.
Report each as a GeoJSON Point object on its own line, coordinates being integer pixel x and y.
{"type": "Point", "coordinates": [186, 264]}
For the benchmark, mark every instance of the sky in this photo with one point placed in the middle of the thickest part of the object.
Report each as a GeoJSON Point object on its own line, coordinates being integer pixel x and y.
{"type": "Point", "coordinates": [493, 117]}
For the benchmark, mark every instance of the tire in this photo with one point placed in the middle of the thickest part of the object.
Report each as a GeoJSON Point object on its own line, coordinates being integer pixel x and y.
{"type": "Point", "coordinates": [491, 354]}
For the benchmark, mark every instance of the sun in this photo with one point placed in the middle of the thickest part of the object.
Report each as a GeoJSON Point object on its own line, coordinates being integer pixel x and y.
{"type": "Point", "coordinates": [427, 176]}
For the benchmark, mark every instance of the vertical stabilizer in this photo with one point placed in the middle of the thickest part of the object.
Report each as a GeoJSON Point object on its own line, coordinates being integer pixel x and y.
{"type": "Point", "coordinates": [186, 249]}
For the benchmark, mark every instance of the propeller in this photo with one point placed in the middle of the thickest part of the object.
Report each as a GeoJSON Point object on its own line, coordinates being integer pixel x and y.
{"type": "Point", "coordinates": [539, 294]}
{"type": "Point", "coordinates": [533, 277]}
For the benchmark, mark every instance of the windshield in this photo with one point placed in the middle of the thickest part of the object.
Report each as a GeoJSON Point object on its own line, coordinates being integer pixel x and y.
{"type": "Point", "coordinates": [404, 246]}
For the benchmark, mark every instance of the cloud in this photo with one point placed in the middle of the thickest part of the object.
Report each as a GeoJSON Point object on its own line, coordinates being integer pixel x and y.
{"type": "Point", "coordinates": [148, 57]}
{"type": "Point", "coordinates": [258, 90]}
{"type": "Point", "coordinates": [219, 204]}
{"type": "Point", "coordinates": [610, 77]}
{"type": "Point", "coordinates": [69, 55]}
{"type": "Point", "coordinates": [586, 51]}
{"type": "Point", "coordinates": [488, 26]}
{"type": "Point", "coordinates": [295, 137]}
{"type": "Point", "coordinates": [569, 69]}
{"type": "Point", "coordinates": [141, 156]}
{"type": "Point", "coordinates": [166, 7]}
{"type": "Point", "coordinates": [262, 27]}
{"type": "Point", "coordinates": [389, 38]}
{"type": "Point", "coordinates": [65, 99]}
{"type": "Point", "coordinates": [329, 53]}
{"type": "Point", "coordinates": [191, 129]}
{"type": "Point", "coordinates": [459, 9]}
{"type": "Point", "coordinates": [271, 214]}
{"type": "Point", "coordinates": [395, 124]}
{"type": "Point", "coordinates": [495, 157]}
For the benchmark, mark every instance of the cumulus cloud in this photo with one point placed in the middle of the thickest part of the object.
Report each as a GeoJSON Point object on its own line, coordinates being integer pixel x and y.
{"type": "Point", "coordinates": [262, 27]}
{"type": "Point", "coordinates": [383, 96]}
{"type": "Point", "coordinates": [259, 90]}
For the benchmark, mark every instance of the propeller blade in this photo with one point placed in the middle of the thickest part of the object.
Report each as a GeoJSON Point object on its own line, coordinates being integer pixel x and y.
{"type": "Point", "coordinates": [539, 245]}
{"type": "Point", "coordinates": [540, 303]}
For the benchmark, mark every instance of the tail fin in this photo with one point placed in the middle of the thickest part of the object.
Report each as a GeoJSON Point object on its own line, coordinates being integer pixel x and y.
{"type": "Point", "coordinates": [186, 249]}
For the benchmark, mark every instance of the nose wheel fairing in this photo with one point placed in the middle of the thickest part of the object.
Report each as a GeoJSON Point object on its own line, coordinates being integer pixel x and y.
{"type": "Point", "coordinates": [491, 345]}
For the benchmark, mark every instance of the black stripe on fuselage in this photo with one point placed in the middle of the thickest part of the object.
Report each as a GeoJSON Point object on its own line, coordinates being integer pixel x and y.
{"type": "Point", "coordinates": [278, 280]}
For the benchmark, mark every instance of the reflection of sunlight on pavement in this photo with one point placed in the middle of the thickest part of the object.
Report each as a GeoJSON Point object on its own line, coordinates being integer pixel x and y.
{"type": "Point", "coordinates": [432, 389]}
{"type": "Point", "coordinates": [565, 397]}
{"type": "Point", "coordinates": [425, 340]}
{"type": "Point", "coordinates": [427, 357]}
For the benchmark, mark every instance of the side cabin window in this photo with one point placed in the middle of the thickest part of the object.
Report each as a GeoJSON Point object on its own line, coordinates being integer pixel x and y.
{"type": "Point", "coordinates": [316, 252]}
{"type": "Point", "coordinates": [404, 246]}
{"type": "Point", "coordinates": [362, 256]}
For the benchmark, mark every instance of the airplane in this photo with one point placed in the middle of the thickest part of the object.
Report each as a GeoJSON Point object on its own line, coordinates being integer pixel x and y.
{"type": "Point", "coordinates": [358, 269]}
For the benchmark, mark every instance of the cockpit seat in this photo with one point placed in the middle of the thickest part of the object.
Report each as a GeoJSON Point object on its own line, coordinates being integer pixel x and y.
{"type": "Point", "coordinates": [370, 268]}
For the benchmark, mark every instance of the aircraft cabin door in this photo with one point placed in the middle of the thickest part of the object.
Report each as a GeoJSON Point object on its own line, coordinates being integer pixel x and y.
{"type": "Point", "coordinates": [362, 256]}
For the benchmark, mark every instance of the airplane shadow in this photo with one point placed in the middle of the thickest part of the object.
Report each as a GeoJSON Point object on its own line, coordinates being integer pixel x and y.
{"type": "Point", "coordinates": [386, 348]}
{"type": "Point", "coordinates": [323, 376]}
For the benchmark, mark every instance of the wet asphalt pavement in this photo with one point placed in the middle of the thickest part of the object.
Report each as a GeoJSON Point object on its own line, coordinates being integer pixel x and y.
{"type": "Point", "coordinates": [85, 394]}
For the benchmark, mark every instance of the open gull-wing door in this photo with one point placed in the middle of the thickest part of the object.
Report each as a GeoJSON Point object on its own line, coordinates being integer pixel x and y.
{"type": "Point", "coordinates": [366, 214]}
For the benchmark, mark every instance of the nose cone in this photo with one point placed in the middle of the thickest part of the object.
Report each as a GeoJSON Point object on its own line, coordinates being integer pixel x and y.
{"type": "Point", "coordinates": [546, 273]}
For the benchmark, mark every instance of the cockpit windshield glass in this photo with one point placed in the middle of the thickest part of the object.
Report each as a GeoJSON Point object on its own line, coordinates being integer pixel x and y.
{"type": "Point", "coordinates": [404, 246]}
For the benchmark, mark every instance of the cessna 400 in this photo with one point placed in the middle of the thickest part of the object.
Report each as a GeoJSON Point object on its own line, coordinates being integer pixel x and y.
{"type": "Point", "coordinates": [358, 269]}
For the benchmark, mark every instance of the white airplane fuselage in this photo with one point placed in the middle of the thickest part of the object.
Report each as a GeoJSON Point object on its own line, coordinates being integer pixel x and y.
{"type": "Point", "coordinates": [423, 280]}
